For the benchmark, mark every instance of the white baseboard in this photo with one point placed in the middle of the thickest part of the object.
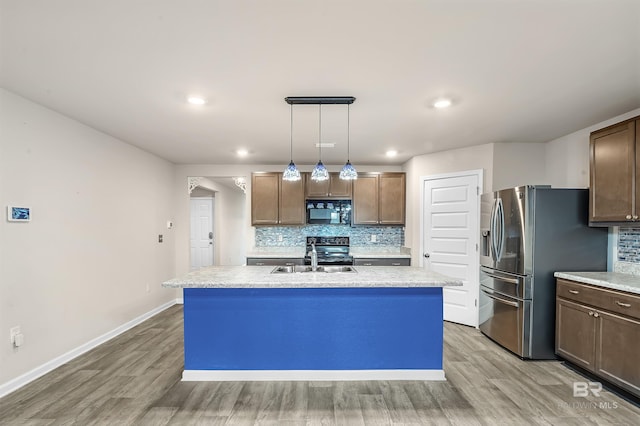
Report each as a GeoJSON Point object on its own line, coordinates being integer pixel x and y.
{"type": "Point", "coordinates": [309, 375]}
{"type": "Point", "coordinates": [48, 366]}
{"type": "Point", "coordinates": [180, 301]}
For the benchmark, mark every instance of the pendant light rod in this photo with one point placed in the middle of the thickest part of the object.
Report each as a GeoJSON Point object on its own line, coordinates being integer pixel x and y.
{"type": "Point", "coordinates": [315, 100]}
{"type": "Point", "coordinates": [348, 131]}
{"type": "Point", "coordinates": [291, 133]}
{"type": "Point", "coordinates": [320, 132]}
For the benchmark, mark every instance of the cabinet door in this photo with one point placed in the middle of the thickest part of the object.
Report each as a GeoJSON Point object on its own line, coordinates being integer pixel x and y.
{"type": "Point", "coordinates": [264, 198]}
{"type": "Point", "coordinates": [612, 174]}
{"type": "Point", "coordinates": [617, 351]}
{"type": "Point", "coordinates": [637, 174]}
{"type": "Point", "coordinates": [314, 189]}
{"type": "Point", "coordinates": [339, 188]}
{"type": "Point", "coordinates": [391, 207]}
{"type": "Point", "coordinates": [291, 207]}
{"type": "Point", "coordinates": [365, 200]}
{"type": "Point", "coordinates": [576, 333]}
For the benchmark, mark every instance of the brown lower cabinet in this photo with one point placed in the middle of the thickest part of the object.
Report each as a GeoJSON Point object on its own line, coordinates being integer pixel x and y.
{"type": "Point", "coordinates": [599, 330]}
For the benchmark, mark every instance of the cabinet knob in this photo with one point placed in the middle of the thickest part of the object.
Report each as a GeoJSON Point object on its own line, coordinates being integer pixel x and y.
{"type": "Point", "coordinates": [595, 314]}
{"type": "Point", "coordinates": [635, 217]}
{"type": "Point", "coordinates": [574, 291]}
{"type": "Point", "coordinates": [590, 313]}
{"type": "Point", "coordinates": [628, 217]}
{"type": "Point", "coordinates": [427, 255]}
{"type": "Point", "coordinates": [624, 305]}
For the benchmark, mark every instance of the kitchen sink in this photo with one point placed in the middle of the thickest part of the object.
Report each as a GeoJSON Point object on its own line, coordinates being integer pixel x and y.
{"type": "Point", "coordinates": [300, 269]}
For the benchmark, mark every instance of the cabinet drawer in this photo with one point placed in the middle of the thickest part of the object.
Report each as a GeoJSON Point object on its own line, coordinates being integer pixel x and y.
{"type": "Point", "coordinates": [600, 298]}
{"type": "Point", "coordinates": [579, 292]}
{"type": "Point", "coordinates": [623, 303]}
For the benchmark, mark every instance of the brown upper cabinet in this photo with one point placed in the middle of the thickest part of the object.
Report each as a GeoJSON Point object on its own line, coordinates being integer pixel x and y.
{"type": "Point", "coordinates": [379, 199]}
{"type": "Point", "coordinates": [333, 188]}
{"type": "Point", "coordinates": [614, 184]}
{"type": "Point", "coordinates": [275, 201]}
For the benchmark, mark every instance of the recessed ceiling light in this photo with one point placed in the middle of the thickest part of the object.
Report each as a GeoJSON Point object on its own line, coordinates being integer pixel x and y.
{"type": "Point", "coordinates": [242, 152]}
{"type": "Point", "coordinates": [196, 100]}
{"type": "Point", "coordinates": [392, 153]}
{"type": "Point", "coordinates": [442, 103]}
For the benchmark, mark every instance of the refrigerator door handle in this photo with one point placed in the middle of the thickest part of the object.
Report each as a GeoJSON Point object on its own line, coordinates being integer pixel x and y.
{"type": "Point", "coordinates": [492, 230]}
{"type": "Point", "coordinates": [505, 279]}
{"type": "Point", "coordinates": [491, 294]}
{"type": "Point", "coordinates": [500, 223]}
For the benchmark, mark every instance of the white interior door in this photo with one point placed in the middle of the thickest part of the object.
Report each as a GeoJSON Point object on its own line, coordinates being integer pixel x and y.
{"type": "Point", "coordinates": [450, 240]}
{"type": "Point", "coordinates": [201, 232]}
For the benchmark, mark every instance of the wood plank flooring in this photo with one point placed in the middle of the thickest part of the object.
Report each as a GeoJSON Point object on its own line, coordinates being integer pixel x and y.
{"type": "Point", "coordinates": [134, 379]}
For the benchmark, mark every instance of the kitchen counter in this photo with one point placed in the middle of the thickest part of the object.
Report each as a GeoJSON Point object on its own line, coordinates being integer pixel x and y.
{"type": "Point", "coordinates": [612, 280]}
{"type": "Point", "coordinates": [261, 277]}
{"type": "Point", "coordinates": [245, 323]}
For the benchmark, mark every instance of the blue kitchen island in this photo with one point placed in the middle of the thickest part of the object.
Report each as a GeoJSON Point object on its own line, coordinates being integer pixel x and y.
{"type": "Point", "coordinates": [245, 323]}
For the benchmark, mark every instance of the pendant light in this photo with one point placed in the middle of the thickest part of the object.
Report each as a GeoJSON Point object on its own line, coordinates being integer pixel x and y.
{"type": "Point", "coordinates": [319, 172]}
{"type": "Point", "coordinates": [348, 172]}
{"type": "Point", "coordinates": [291, 173]}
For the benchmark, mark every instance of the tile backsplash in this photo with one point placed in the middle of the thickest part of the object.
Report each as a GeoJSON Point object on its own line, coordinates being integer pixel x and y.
{"type": "Point", "coordinates": [629, 245]}
{"type": "Point", "coordinates": [291, 236]}
{"type": "Point", "coordinates": [627, 259]}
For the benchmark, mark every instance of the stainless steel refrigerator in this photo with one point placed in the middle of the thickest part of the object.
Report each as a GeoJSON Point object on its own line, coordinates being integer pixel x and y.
{"type": "Point", "coordinates": [527, 234]}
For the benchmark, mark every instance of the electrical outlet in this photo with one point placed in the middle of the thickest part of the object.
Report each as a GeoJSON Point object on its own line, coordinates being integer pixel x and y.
{"type": "Point", "coordinates": [160, 238]}
{"type": "Point", "coordinates": [374, 238]}
{"type": "Point", "coordinates": [13, 332]}
{"type": "Point", "coordinates": [279, 238]}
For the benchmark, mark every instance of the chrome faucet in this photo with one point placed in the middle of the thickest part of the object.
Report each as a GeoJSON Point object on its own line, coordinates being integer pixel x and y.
{"type": "Point", "coordinates": [314, 258]}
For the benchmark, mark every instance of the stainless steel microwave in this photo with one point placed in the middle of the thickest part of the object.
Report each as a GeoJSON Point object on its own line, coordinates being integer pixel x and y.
{"type": "Point", "coordinates": [329, 212]}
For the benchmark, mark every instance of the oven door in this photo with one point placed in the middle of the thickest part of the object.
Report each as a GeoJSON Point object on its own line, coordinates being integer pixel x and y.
{"type": "Point", "coordinates": [504, 320]}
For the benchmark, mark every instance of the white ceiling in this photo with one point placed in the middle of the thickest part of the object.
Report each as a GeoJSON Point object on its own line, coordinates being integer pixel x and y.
{"type": "Point", "coordinates": [518, 71]}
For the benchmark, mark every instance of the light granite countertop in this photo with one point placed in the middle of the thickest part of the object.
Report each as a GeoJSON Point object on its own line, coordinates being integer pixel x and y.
{"type": "Point", "coordinates": [612, 280]}
{"type": "Point", "coordinates": [261, 277]}
{"type": "Point", "coordinates": [359, 252]}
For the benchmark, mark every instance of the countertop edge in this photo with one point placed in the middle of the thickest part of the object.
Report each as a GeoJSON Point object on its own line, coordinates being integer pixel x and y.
{"type": "Point", "coordinates": [611, 280]}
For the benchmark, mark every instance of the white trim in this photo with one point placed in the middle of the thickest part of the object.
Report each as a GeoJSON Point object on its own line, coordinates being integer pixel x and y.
{"type": "Point", "coordinates": [48, 366]}
{"type": "Point", "coordinates": [180, 301]}
{"type": "Point", "coordinates": [309, 375]}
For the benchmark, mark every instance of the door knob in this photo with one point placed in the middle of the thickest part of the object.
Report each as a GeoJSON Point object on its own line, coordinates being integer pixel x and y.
{"type": "Point", "coordinates": [427, 255]}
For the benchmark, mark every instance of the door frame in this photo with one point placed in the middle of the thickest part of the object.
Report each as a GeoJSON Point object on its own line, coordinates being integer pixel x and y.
{"type": "Point", "coordinates": [479, 173]}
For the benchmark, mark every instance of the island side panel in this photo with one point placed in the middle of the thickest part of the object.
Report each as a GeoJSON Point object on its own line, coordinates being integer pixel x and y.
{"type": "Point", "coordinates": [313, 328]}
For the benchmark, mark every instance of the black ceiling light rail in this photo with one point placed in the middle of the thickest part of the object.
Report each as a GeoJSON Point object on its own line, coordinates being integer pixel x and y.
{"type": "Point", "coordinates": [315, 100]}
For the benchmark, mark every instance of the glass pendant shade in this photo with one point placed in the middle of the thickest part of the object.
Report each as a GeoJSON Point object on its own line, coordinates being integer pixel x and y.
{"type": "Point", "coordinates": [319, 172]}
{"type": "Point", "coordinates": [348, 172]}
{"type": "Point", "coordinates": [291, 173]}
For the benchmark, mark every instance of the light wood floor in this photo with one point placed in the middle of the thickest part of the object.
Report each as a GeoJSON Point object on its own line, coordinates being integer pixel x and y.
{"type": "Point", "coordinates": [135, 379]}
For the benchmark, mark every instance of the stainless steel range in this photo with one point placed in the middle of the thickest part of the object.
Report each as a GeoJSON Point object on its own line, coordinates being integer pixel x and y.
{"type": "Point", "coordinates": [331, 250]}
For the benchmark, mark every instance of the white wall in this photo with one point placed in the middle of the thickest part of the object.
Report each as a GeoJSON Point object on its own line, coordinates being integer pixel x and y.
{"type": "Point", "coordinates": [81, 267]}
{"type": "Point", "coordinates": [516, 164]}
{"type": "Point", "coordinates": [567, 158]}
